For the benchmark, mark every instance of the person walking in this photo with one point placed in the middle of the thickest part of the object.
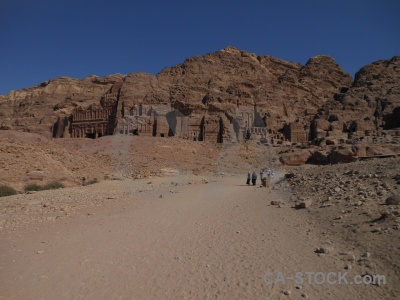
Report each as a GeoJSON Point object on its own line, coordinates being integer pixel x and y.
{"type": "Point", "coordinates": [248, 178]}
{"type": "Point", "coordinates": [267, 183]}
{"type": "Point", "coordinates": [262, 176]}
{"type": "Point", "coordinates": [254, 177]}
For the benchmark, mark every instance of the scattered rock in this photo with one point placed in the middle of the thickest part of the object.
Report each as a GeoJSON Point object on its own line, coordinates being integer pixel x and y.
{"type": "Point", "coordinates": [350, 257]}
{"type": "Point", "coordinates": [304, 204]}
{"type": "Point", "coordinates": [366, 254]}
{"type": "Point", "coordinates": [324, 250]}
{"type": "Point", "coordinates": [393, 200]}
{"type": "Point", "coordinates": [348, 267]}
{"type": "Point", "coordinates": [287, 293]}
{"type": "Point", "coordinates": [276, 202]}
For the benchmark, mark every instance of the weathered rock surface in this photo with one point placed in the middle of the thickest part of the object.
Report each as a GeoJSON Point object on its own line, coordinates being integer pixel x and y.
{"type": "Point", "coordinates": [372, 101]}
{"type": "Point", "coordinates": [393, 200]}
{"type": "Point", "coordinates": [317, 103]}
{"type": "Point", "coordinates": [36, 109]}
{"type": "Point", "coordinates": [222, 80]}
{"type": "Point", "coordinates": [296, 158]}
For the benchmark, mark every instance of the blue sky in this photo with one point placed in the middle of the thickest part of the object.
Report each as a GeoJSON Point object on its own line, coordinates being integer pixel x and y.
{"type": "Point", "coordinates": [44, 39]}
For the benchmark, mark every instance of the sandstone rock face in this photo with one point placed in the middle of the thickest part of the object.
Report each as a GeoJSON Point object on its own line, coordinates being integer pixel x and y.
{"type": "Point", "coordinates": [35, 109]}
{"type": "Point", "coordinates": [378, 151]}
{"type": "Point", "coordinates": [216, 82]}
{"type": "Point", "coordinates": [319, 158]}
{"type": "Point", "coordinates": [225, 96]}
{"type": "Point", "coordinates": [343, 155]}
{"type": "Point", "coordinates": [373, 100]}
{"type": "Point", "coordinates": [281, 89]}
{"type": "Point", "coordinates": [296, 158]}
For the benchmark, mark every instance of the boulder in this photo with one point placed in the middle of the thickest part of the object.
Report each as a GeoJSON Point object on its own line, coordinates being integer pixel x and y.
{"type": "Point", "coordinates": [276, 202]}
{"type": "Point", "coordinates": [378, 151]}
{"type": "Point", "coordinates": [319, 157]}
{"type": "Point", "coordinates": [393, 200]}
{"type": "Point", "coordinates": [324, 250]}
{"type": "Point", "coordinates": [344, 155]}
{"type": "Point", "coordinates": [304, 204]}
{"type": "Point", "coordinates": [296, 158]}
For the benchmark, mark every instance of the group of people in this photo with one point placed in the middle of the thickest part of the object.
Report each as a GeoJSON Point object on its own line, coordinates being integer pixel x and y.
{"type": "Point", "coordinates": [264, 180]}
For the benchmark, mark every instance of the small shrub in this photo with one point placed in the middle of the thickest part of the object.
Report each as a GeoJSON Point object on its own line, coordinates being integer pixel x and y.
{"type": "Point", "coordinates": [32, 187]}
{"type": "Point", "coordinates": [91, 181]}
{"type": "Point", "coordinates": [6, 190]}
{"type": "Point", "coordinates": [53, 185]}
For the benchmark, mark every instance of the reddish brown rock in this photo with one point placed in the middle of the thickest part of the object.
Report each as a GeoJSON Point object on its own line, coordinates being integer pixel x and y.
{"type": "Point", "coordinates": [217, 83]}
{"type": "Point", "coordinates": [373, 101]}
{"type": "Point", "coordinates": [37, 108]}
{"type": "Point", "coordinates": [372, 151]}
{"type": "Point", "coordinates": [343, 155]}
{"type": "Point", "coordinates": [296, 158]}
{"type": "Point", "coordinates": [319, 158]}
{"type": "Point", "coordinates": [224, 96]}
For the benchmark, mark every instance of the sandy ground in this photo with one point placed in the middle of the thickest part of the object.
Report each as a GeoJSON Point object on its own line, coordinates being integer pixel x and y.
{"type": "Point", "coordinates": [184, 237]}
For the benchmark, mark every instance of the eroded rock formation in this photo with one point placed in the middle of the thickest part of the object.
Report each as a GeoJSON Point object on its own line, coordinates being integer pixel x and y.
{"type": "Point", "coordinates": [224, 96]}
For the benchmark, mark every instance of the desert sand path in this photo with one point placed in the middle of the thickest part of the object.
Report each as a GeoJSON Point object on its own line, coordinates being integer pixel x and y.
{"type": "Point", "coordinates": [214, 240]}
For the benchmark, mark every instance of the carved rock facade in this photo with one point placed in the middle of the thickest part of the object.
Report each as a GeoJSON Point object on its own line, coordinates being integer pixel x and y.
{"type": "Point", "coordinates": [224, 96]}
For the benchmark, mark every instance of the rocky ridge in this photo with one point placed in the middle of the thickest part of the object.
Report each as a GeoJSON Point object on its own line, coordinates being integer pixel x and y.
{"type": "Point", "coordinates": [35, 109]}
{"type": "Point", "coordinates": [282, 89]}
{"type": "Point", "coordinates": [336, 118]}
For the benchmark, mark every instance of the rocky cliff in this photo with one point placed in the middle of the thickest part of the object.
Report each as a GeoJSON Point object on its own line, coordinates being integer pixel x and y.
{"type": "Point", "coordinates": [373, 100]}
{"type": "Point", "coordinates": [284, 91]}
{"type": "Point", "coordinates": [35, 109]}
